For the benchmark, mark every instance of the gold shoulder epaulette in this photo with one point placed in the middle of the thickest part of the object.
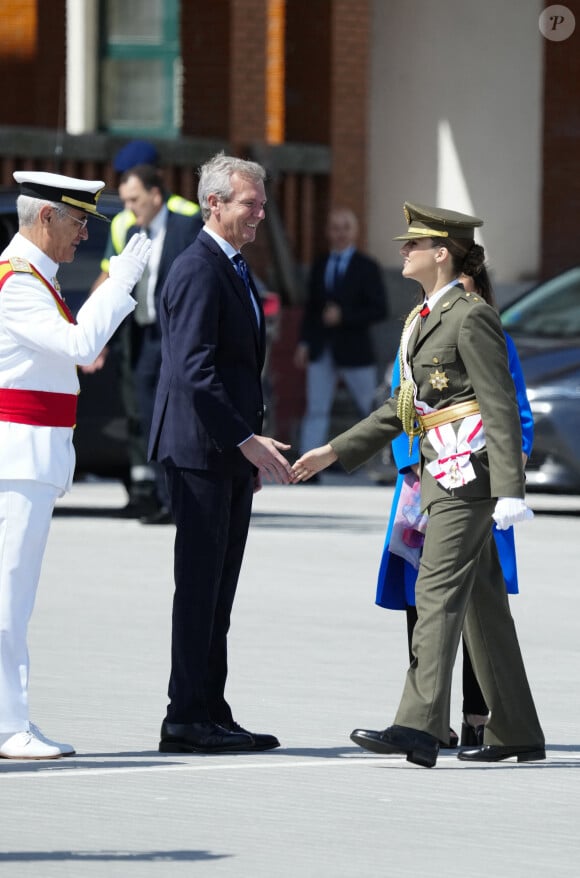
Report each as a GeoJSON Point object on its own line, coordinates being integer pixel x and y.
{"type": "Point", "coordinates": [18, 263]}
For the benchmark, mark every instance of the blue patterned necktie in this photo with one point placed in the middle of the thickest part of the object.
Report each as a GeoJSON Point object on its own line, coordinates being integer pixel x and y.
{"type": "Point", "coordinates": [241, 267]}
{"type": "Point", "coordinates": [333, 272]}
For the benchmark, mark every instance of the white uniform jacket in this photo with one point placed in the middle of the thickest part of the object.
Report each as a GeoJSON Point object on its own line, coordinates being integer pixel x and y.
{"type": "Point", "coordinates": [40, 350]}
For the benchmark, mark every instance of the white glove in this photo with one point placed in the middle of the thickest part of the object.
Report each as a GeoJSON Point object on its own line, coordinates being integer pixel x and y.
{"type": "Point", "coordinates": [129, 265]}
{"type": "Point", "coordinates": [510, 510]}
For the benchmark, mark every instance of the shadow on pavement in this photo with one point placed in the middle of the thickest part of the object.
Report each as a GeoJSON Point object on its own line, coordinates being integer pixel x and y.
{"type": "Point", "coordinates": [90, 512]}
{"type": "Point", "coordinates": [105, 856]}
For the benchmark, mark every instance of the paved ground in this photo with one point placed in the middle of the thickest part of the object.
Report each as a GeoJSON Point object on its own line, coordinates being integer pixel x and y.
{"type": "Point", "coordinates": [311, 657]}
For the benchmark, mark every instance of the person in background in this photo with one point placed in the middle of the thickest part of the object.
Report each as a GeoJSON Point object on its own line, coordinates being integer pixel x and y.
{"type": "Point", "coordinates": [401, 554]}
{"type": "Point", "coordinates": [206, 432]}
{"type": "Point", "coordinates": [147, 498]}
{"type": "Point", "coordinates": [457, 393]}
{"type": "Point", "coordinates": [346, 296]}
{"type": "Point", "coordinates": [41, 344]}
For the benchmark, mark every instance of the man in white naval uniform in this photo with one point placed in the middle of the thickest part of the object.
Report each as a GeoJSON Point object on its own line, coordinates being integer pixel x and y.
{"type": "Point", "coordinates": [41, 345]}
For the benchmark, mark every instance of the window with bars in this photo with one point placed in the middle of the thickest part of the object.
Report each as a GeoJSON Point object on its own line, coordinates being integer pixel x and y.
{"type": "Point", "coordinates": [140, 67]}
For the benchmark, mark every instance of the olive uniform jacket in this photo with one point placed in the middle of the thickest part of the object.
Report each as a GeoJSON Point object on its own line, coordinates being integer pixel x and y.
{"type": "Point", "coordinates": [463, 342]}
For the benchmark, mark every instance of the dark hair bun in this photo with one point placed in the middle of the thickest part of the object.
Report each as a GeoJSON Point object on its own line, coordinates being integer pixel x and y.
{"type": "Point", "coordinates": [474, 260]}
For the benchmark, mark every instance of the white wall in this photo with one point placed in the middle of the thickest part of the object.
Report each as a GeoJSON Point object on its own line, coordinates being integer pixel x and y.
{"type": "Point", "coordinates": [456, 115]}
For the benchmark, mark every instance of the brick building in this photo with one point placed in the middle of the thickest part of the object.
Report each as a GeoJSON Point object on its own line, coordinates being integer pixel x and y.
{"type": "Point", "coordinates": [356, 102]}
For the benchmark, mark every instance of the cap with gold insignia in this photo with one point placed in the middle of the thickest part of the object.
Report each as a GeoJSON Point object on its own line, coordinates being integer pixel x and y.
{"type": "Point", "coordinates": [434, 222]}
{"type": "Point", "coordinates": [82, 194]}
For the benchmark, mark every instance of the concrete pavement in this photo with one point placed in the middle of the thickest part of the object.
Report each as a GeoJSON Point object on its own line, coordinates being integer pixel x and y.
{"type": "Point", "coordinates": [311, 657]}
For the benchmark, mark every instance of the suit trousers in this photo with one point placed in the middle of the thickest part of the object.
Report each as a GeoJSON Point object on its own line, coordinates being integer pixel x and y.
{"type": "Point", "coordinates": [473, 700]}
{"type": "Point", "coordinates": [321, 380]}
{"type": "Point", "coordinates": [146, 361]}
{"type": "Point", "coordinates": [25, 515]}
{"type": "Point", "coordinates": [461, 586]}
{"type": "Point", "coordinates": [212, 517]}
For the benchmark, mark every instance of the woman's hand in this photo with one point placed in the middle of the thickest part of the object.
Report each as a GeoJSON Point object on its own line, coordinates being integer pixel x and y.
{"type": "Point", "coordinates": [313, 462]}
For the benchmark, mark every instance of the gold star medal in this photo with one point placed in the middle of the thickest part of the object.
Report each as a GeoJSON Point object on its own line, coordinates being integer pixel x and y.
{"type": "Point", "coordinates": [438, 380]}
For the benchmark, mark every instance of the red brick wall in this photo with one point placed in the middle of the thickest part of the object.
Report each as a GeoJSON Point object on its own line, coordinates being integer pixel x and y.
{"type": "Point", "coordinates": [308, 55]}
{"type": "Point", "coordinates": [224, 54]}
{"type": "Point", "coordinates": [560, 240]}
{"type": "Point", "coordinates": [205, 48]}
{"type": "Point", "coordinates": [247, 72]}
{"type": "Point", "coordinates": [32, 62]}
{"type": "Point", "coordinates": [349, 101]}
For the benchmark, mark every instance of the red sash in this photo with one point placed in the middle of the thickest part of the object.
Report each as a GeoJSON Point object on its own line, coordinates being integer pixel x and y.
{"type": "Point", "coordinates": [39, 408]}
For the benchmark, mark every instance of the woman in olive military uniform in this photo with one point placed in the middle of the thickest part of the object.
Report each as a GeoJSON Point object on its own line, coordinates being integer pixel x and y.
{"type": "Point", "coordinates": [458, 395]}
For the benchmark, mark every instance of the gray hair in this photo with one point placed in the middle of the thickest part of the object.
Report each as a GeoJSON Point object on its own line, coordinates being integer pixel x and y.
{"type": "Point", "coordinates": [28, 208]}
{"type": "Point", "coordinates": [215, 178]}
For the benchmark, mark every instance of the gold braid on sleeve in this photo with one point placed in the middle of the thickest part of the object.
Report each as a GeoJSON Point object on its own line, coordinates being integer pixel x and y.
{"type": "Point", "coordinates": [406, 399]}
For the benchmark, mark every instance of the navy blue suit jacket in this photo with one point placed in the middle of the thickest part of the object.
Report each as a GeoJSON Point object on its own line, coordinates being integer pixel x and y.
{"type": "Point", "coordinates": [362, 298]}
{"type": "Point", "coordinates": [209, 396]}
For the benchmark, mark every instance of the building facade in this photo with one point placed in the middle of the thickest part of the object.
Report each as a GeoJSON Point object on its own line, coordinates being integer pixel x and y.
{"type": "Point", "coordinates": [359, 103]}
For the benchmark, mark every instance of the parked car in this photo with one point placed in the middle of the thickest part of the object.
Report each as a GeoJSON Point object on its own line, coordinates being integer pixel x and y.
{"type": "Point", "coordinates": [100, 436]}
{"type": "Point", "coordinates": [544, 323]}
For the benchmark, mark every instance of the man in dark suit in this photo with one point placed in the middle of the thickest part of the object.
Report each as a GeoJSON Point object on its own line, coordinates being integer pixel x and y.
{"type": "Point", "coordinates": [346, 295]}
{"type": "Point", "coordinates": [206, 432]}
{"type": "Point", "coordinates": [142, 191]}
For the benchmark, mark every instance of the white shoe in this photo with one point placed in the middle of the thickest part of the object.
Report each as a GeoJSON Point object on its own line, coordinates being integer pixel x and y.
{"type": "Point", "coordinates": [25, 745]}
{"type": "Point", "coordinates": [65, 749]}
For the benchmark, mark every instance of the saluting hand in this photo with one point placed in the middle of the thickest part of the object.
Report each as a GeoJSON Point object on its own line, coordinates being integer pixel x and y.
{"type": "Point", "coordinates": [130, 264]}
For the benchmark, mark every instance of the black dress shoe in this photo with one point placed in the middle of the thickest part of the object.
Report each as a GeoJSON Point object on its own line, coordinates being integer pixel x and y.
{"type": "Point", "coordinates": [160, 516]}
{"type": "Point", "coordinates": [259, 741]}
{"type": "Point", "coordinates": [471, 736]}
{"type": "Point", "coordinates": [139, 508]}
{"type": "Point", "coordinates": [493, 753]}
{"type": "Point", "coordinates": [419, 747]}
{"type": "Point", "coordinates": [204, 737]}
{"type": "Point", "coordinates": [450, 744]}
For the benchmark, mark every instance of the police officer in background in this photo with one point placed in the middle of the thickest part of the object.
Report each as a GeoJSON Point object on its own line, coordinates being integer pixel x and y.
{"type": "Point", "coordinates": [41, 345]}
{"type": "Point", "coordinates": [147, 499]}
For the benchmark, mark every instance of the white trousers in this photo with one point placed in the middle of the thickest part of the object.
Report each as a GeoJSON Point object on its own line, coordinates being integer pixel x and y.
{"type": "Point", "coordinates": [25, 513]}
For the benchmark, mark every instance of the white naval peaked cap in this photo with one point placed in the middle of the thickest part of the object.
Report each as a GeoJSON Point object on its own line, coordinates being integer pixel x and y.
{"type": "Point", "coordinates": [82, 194]}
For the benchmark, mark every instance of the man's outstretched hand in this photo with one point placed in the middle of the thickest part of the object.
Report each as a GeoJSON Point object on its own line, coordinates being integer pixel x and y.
{"type": "Point", "coordinates": [264, 453]}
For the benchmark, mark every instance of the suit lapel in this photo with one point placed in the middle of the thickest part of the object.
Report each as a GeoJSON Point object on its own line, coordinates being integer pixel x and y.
{"type": "Point", "coordinates": [232, 278]}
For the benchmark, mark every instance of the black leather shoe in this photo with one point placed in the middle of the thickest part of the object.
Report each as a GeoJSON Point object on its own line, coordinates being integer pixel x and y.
{"type": "Point", "coordinates": [204, 737]}
{"type": "Point", "coordinates": [450, 744]}
{"type": "Point", "coordinates": [160, 516]}
{"type": "Point", "coordinates": [139, 508]}
{"type": "Point", "coordinates": [259, 741]}
{"type": "Point", "coordinates": [493, 753]}
{"type": "Point", "coordinates": [471, 736]}
{"type": "Point", "coordinates": [419, 747]}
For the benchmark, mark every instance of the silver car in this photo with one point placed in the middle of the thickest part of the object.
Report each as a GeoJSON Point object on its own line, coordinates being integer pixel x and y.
{"type": "Point", "coordinates": [545, 325]}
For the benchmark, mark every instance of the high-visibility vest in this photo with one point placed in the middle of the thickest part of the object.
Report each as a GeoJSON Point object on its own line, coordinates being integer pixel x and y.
{"type": "Point", "coordinates": [122, 222]}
